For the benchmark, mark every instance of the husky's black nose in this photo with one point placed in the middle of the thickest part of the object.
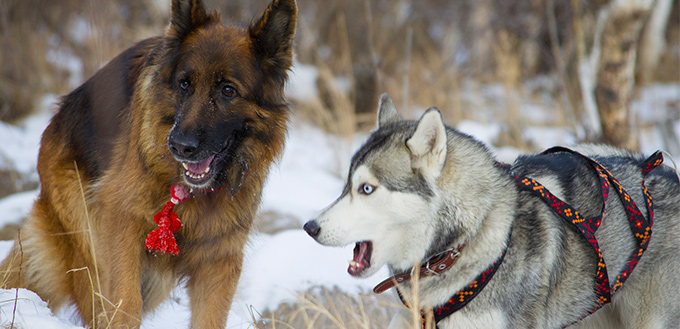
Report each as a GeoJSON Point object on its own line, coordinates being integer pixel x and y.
{"type": "Point", "coordinates": [312, 228]}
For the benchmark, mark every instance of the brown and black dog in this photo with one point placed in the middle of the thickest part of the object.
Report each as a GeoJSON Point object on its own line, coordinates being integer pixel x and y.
{"type": "Point", "coordinates": [201, 107]}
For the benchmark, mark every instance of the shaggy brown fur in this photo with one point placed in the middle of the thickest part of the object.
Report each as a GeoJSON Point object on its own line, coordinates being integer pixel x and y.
{"type": "Point", "coordinates": [206, 95]}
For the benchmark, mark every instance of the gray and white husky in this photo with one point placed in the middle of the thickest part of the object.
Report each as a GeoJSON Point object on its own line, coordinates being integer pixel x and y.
{"type": "Point", "coordinates": [417, 189]}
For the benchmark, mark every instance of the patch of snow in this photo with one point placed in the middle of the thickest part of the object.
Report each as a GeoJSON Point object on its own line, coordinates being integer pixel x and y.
{"type": "Point", "coordinates": [64, 58]}
{"type": "Point", "coordinates": [485, 132]}
{"type": "Point", "coordinates": [80, 30]}
{"type": "Point", "coordinates": [546, 137]}
{"type": "Point", "coordinates": [656, 102]}
{"type": "Point", "coordinates": [537, 114]}
{"type": "Point", "coordinates": [276, 268]}
{"type": "Point", "coordinates": [16, 206]}
{"type": "Point", "coordinates": [19, 146]}
{"type": "Point", "coordinates": [274, 274]}
{"type": "Point", "coordinates": [301, 83]}
{"type": "Point", "coordinates": [506, 154]}
{"type": "Point", "coordinates": [309, 176]}
{"type": "Point", "coordinates": [31, 311]}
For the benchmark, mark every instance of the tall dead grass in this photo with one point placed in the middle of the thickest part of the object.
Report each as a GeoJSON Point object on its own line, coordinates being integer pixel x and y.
{"type": "Point", "coordinates": [53, 46]}
{"type": "Point", "coordinates": [324, 308]}
{"type": "Point", "coordinates": [425, 54]}
{"type": "Point", "coordinates": [104, 310]}
{"type": "Point", "coordinates": [422, 53]}
{"type": "Point", "coordinates": [321, 307]}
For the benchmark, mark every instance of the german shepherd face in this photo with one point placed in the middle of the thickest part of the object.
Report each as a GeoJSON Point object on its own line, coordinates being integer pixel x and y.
{"type": "Point", "coordinates": [227, 91]}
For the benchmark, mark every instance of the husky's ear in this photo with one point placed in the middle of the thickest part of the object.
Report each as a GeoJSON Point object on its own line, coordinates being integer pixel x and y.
{"type": "Point", "coordinates": [187, 16]}
{"type": "Point", "coordinates": [428, 144]}
{"type": "Point", "coordinates": [272, 38]}
{"type": "Point", "coordinates": [387, 112]}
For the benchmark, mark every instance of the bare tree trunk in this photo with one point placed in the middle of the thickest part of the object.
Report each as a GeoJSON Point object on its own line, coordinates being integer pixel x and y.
{"type": "Point", "coordinates": [482, 50]}
{"type": "Point", "coordinates": [653, 41]}
{"type": "Point", "coordinates": [587, 66]}
{"type": "Point", "coordinates": [616, 72]}
{"type": "Point", "coordinates": [364, 62]}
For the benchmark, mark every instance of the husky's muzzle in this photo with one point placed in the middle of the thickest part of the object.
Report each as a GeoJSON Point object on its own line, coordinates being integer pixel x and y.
{"type": "Point", "coordinates": [362, 250]}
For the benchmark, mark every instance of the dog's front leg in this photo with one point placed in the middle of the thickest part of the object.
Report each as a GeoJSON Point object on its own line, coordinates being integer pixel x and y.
{"type": "Point", "coordinates": [211, 289]}
{"type": "Point", "coordinates": [120, 258]}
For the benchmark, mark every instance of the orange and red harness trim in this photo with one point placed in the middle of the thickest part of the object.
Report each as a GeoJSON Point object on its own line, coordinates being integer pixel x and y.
{"type": "Point", "coordinates": [640, 227]}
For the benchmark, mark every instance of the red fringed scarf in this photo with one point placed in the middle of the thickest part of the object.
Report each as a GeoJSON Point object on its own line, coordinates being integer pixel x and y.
{"type": "Point", "coordinates": [162, 239]}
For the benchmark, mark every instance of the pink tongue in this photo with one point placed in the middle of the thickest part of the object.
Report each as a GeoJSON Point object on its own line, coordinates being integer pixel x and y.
{"type": "Point", "coordinates": [199, 167]}
{"type": "Point", "coordinates": [360, 251]}
{"type": "Point", "coordinates": [361, 257]}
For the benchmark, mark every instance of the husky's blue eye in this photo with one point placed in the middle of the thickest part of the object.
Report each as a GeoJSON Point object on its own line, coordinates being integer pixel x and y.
{"type": "Point", "coordinates": [366, 189]}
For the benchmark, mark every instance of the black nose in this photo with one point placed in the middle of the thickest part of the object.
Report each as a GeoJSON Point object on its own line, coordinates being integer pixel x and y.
{"type": "Point", "coordinates": [312, 228]}
{"type": "Point", "coordinates": [182, 145]}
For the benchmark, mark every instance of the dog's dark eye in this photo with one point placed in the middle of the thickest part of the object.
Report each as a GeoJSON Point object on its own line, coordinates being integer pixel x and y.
{"type": "Point", "coordinates": [168, 119]}
{"type": "Point", "coordinates": [184, 84]}
{"type": "Point", "coordinates": [229, 92]}
{"type": "Point", "coordinates": [366, 189]}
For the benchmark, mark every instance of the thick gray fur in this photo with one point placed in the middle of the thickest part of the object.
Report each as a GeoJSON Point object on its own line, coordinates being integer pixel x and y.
{"type": "Point", "coordinates": [547, 277]}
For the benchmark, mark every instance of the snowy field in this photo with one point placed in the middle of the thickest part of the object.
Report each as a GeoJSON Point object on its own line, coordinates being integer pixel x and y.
{"type": "Point", "coordinates": [277, 266]}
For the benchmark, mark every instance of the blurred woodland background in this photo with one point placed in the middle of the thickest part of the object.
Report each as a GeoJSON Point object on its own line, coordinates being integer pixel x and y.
{"type": "Point", "coordinates": [580, 62]}
{"type": "Point", "coordinates": [573, 65]}
{"type": "Point", "coordinates": [584, 60]}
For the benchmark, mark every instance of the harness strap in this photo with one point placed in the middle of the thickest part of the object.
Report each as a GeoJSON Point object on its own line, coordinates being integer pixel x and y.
{"type": "Point", "coordinates": [640, 227]}
{"type": "Point", "coordinates": [463, 296]}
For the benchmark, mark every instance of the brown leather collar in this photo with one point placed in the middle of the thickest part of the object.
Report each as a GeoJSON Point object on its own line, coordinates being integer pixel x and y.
{"type": "Point", "coordinates": [434, 266]}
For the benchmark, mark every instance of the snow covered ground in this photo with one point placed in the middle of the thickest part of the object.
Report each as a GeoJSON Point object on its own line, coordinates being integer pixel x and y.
{"type": "Point", "coordinates": [277, 266]}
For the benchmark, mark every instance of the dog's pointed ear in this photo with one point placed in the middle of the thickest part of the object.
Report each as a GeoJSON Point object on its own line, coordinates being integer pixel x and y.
{"type": "Point", "coordinates": [272, 38]}
{"type": "Point", "coordinates": [387, 112]}
{"type": "Point", "coordinates": [428, 144]}
{"type": "Point", "coordinates": [185, 17]}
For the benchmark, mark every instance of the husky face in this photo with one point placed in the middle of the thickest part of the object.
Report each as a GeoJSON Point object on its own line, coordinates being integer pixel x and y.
{"type": "Point", "coordinates": [370, 214]}
{"type": "Point", "coordinates": [387, 204]}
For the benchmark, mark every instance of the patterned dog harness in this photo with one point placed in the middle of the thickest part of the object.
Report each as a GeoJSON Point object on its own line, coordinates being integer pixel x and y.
{"type": "Point", "coordinates": [640, 227]}
{"type": "Point", "coordinates": [463, 296]}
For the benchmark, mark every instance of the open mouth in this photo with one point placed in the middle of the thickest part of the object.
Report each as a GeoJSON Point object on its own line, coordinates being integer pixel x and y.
{"type": "Point", "coordinates": [199, 173]}
{"type": "Point", "coordinates": [362, 258]}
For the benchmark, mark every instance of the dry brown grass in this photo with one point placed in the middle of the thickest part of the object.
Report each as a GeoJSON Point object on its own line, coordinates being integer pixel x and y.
{"type": "Point", "coordinates": [40, 39]}
{"type": "Point", "coordinates": [104, 303]}
{"type": "Point", "coordinates": [326, 308]}
{"type": "Point", "coordinates": [422, 53]}
{"type": "Point", "coordinates": [322, 307]}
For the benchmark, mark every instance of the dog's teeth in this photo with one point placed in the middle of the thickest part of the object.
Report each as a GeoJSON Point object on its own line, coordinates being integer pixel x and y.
{"type": "Point", "coordinates": [185, 166]}
{"type": "Point", "coordinates": [193, 175]}
{"type": "Point", "coordinates": [207, 169]}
